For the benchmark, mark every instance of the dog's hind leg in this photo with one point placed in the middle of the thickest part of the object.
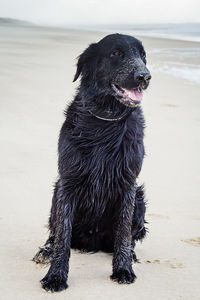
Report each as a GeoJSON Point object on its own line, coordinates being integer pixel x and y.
{"type": "Point", "coordinates": [44, 255]}
{"type": "Point", "coordinates": [133, 254]}
{"type": "Point", "coordinates": [138, 225]}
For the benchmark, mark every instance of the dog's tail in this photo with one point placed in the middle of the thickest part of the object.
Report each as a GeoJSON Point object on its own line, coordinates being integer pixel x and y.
{"type": "Point", "coordinates": [139, 229]}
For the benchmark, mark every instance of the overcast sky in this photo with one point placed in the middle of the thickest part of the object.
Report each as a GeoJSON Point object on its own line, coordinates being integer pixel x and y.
{"type": "Point", "coordinates": [87, 12]}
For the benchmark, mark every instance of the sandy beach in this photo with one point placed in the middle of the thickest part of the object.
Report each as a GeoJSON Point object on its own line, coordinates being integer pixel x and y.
{"type": "Point", "coordinates": [37, 66]}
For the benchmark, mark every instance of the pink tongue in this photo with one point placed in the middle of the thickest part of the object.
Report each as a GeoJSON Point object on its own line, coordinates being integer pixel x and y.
{"type": "Point", "coordinates": [133, 94]}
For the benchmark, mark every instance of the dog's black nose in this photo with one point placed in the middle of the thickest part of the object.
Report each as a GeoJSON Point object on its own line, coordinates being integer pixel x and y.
{"type": "Point", "coordinates": [140, 77]}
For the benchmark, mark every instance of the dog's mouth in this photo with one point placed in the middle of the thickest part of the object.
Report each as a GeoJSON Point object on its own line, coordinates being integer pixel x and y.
{"type": "Point", "coordinates": [129, 97]}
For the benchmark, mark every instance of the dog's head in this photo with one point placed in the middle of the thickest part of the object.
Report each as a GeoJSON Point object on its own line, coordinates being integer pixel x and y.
{"type": "Point", "coordinates": [116, 66]}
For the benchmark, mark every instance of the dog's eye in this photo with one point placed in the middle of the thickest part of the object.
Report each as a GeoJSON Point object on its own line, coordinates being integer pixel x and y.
{"type": "Point", "coordinates": [143, 54]}
{"type": "Point", "coordinates": [117, 53]}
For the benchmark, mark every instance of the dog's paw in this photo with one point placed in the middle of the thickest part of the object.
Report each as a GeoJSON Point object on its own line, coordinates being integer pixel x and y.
{"type": "Point", "coordinates": [54, 283]}
{"type": "Point", "coordinates": [43, 256]}
{"type": "Point", "coordinates": [123, 276]}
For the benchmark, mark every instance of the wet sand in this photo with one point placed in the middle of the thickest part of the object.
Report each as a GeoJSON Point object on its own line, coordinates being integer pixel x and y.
{"type": "Point", "coordinates": [36, 73]}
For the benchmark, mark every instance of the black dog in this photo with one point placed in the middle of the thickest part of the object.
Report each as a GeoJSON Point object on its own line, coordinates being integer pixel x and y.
{"type": "Point", "coordinates": [97, 204]}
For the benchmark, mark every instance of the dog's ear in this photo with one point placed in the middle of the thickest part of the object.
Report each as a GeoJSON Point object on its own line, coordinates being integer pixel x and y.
{"type": "Point", "coordinates": [85, 58]}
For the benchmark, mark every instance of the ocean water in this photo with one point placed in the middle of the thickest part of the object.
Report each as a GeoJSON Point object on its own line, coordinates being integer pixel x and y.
{"type": "Point", "coordinates": [185, 72]}
{"type": "Point", "coordinates": [181, 63]}
{"type": "Point", "coordinates": [186, 32]}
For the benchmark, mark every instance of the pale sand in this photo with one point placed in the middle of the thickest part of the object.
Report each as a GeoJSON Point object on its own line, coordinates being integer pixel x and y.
{"type": "Point", "coordinates": [36, 71]}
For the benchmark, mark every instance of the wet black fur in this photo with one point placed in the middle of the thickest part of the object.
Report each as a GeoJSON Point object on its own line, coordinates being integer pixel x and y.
{"type": "Point", "coordinates": [97, 204]}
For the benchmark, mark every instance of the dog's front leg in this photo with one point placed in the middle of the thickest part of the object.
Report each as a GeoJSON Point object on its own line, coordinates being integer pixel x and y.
{"type": "Point", "coordinates": [56, 278]}
{"type": "Point", "coordinates": [122, 267]}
